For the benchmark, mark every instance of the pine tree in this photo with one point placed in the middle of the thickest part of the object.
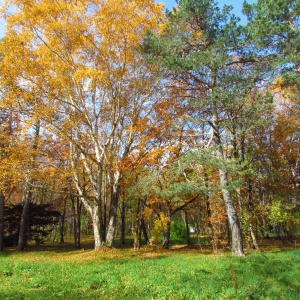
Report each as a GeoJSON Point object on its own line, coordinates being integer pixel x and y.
{"type": "Point", "coordinates": [216, 69]}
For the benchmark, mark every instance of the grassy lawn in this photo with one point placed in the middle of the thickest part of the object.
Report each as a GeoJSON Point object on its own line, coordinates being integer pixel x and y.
{"type": "Point", "coordinates": [61, 273]}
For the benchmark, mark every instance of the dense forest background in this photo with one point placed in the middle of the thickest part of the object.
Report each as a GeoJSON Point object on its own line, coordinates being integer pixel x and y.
{"type": "Point", "coordinates": [120, 119]}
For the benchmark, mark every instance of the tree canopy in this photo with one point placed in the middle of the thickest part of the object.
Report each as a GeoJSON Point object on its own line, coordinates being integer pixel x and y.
{"type": "Point", "coordinates": [130, 111]}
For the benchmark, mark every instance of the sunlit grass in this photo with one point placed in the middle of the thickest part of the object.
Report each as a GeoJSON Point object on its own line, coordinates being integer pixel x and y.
{"type": "Point", "coordinates": [62, 273]}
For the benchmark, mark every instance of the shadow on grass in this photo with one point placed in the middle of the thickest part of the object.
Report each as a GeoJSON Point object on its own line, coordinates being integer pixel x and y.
{"type": "Point", "coordinates": [177, 246]}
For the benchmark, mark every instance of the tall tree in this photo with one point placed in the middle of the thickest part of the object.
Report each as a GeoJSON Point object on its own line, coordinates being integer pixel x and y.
{"type": "Point", "coordinates": [275, 30]}
{"type": "Point", "coordinates": [215, 69]}
{"type": "Point", "coordinates": [11, 155]}
{"type": "Point", "coordinates": [94, 90]}
{"type": "Point", "coordinates": [28, 189]}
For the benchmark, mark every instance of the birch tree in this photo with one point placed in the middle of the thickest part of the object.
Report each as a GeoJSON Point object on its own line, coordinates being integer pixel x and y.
{"type": "Point", "coordinates": [94, 90]}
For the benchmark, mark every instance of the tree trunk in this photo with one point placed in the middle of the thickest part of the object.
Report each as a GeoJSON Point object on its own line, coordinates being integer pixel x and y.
{"type": "Point", "coordinates": [28, 197]}
{"type": "Point", "coordinates": [208, 213]}
{"type": "Point", "coordinates": [167, 234]}
{"type": "Point", "coordinates": [187, 228]}
{"type": "Point", "coordinates": [144, 230]}
{"type": "Point", "coordinates": [96, 218]}
{"type": "Point", "coordinates": [249, 211]}
{"type": "Point", "coordinates": [104, 217]}
{"type": "Point", "coordinates": [123, 223]}
{"type": "Point", "coordinates": [2, 200]}
{"type": "Point", "coordinates": [62, 223]}
{"type": "Point", "coordinates": [112, 217]}
{"type": "Point", "coordinates": [24, 221]}
{"type": "Point", "coordinates": [92, 204]}
{"type": "Point", "coordinates": [234, 224]}
{"type": "Point", "coordinates": [137, 228]}
{"type": "Point", "coordinates": [136, 235]}
{"type": "Point", "coordinates": [254, 241]}
{"type": "Point", "coordinates": [76, 207]}
{"type": "Point", "coordinates": [236, 232]}
{"type": "Point", "coordinates": [78, 224]}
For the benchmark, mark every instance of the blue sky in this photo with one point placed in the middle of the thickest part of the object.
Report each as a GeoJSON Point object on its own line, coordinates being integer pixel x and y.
{"type": "Point", "coordinates": [237, 7]}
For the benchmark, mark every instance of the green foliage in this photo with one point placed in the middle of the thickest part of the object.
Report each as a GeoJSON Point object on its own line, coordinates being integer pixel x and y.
{"type": "Point", "coordinates": [178, 231]}
{"type": "Point", "coordinates": [124, 275]}
{"type": "Point", "coordinates": [212, 58]}
{"type": "Point", "coordinates": [274, 26]}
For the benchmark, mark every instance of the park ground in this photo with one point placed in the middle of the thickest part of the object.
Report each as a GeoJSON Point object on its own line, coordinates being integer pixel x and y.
{"type": "Point", "coordinates": [183, 272]}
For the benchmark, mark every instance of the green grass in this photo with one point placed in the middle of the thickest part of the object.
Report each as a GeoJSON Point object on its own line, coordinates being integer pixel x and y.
{"type": "Point", "coordinates": [61, 273]}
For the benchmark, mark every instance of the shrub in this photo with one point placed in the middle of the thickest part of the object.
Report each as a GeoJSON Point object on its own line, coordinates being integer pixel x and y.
{"type": "Point", "coordinates": [42, 219]}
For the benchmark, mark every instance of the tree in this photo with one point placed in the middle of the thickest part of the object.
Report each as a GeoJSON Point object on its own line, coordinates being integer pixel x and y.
{"type": "Point", "coordinates": [274, 26]}
{"type": "Point", "coordinates": [167, 191]}
{"type": "Point", "coordinates": [95, 92]}
{"type": "Point", "coordinates": [11, 156]}
{"type": "Point", "coordinates": [274, 152]}
{"type": "Point", "coordinates": [28, 189]}
{"type": "Point", "coordinates": [274, 29]}
{"type": "Point", "coordinates": [205, 49]}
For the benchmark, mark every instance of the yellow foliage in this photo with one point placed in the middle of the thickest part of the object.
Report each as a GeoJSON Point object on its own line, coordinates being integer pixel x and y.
{"type": "Point", "coordinates": [74, 65]}
{"type": "Point", "coordinates": [160, 225]}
